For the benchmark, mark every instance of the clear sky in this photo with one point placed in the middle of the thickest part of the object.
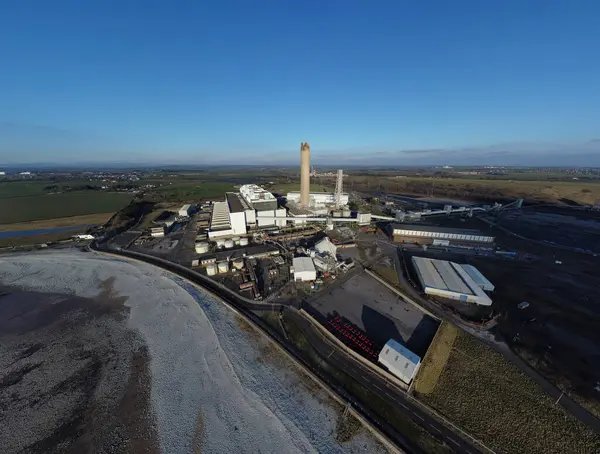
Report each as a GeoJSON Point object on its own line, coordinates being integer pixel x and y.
{"type": "Point", "coordinates": [367, 81]}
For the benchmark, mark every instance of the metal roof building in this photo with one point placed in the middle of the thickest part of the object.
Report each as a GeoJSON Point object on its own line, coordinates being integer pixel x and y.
{"type": "Point", "coordinates": [399, 360]}
{"type": "Point", "coordinates": [304, 269]}
{"type": "Point", "coordinates": [449, 280]}
{"type": "Point", "coordinates": [220, 224]}
{"type": "Point", "coordinates": [479, 278]}
{"type": "Point", "coordinates": [411, 233]}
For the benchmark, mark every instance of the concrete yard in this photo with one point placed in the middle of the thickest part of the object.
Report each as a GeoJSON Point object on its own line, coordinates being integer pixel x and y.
{"type": "Point", "coordinates": [375, 309]}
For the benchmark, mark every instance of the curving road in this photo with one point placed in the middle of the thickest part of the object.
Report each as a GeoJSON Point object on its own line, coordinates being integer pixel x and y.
{"type": "Point", "coordinates": [366, 377]}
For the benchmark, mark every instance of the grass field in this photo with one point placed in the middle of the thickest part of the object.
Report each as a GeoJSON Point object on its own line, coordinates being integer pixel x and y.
{"type": "Point", "coordinates": [37, 239]}
{"type": "Point", "coordinates": [189, 192]}
{"type": "Point", "coordinates": [44, 207]}
{"type": "Point", "coordinates": [581, 191]}
{"type": "Point", "coordinates": [435, 359]}
{"type": "Point", "coordinates": [490, 398]}
{"type": "Point", "coordinates": [86, 219]}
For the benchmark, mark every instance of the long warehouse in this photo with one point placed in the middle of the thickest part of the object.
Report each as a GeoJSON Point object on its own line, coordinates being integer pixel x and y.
{"type": "Point", "coordinates": [428, 234]}
{"type": "Point", "coordinates": [450, 280]}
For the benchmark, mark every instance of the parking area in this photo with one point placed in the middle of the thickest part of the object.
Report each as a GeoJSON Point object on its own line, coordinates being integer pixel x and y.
{"type": "Point", "coordinates": [377, 311]}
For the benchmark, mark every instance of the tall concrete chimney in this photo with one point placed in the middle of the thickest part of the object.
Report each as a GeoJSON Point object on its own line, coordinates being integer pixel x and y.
{"type": "Point", "coordinates": [304, 174]}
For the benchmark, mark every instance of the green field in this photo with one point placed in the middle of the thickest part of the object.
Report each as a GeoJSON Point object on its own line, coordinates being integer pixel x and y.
{"type": "Point", "coordinates": [482, 392]}
{"type": "Point", "coordinates": [52, 206]}
{"type": "Point", "coordinates": [189, 192]}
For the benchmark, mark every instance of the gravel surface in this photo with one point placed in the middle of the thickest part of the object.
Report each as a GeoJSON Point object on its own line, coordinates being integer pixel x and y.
{"type": "Point", "coordinates": [212, 384]}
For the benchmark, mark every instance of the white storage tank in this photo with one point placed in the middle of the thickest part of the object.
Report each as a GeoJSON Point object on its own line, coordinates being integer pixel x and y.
{"type": "Point", "coordinates": [238, 264]}
{"type": "Point", "coordinates": [201, 248]}
{"type": "Point", "coordinates": [228, 244]}
{"type": "Point", "coordinates": [220, 243]}
{"type": "Point", "coordinates": [223, 267]}
{"type": "Point", "coordinates": [244, 241]}
{"type": "Point", "coordinates": [346, 213]}
{"type": "Point", "coordinates": [211, 269]}
{"type": "Point", "coordinates": [236, 240]}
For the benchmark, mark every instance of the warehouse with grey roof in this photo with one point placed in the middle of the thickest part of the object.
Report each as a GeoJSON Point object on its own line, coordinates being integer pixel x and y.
{"type": "Point", "coordinates": [450, 280]}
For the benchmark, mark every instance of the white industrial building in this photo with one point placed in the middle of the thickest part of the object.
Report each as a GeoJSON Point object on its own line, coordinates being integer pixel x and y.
{"type": "Point", "coordinates": [220, 225]}
{"type": "Point", "coordinates": [304, 269]}
{"type": "Point", "coordinates": [426, 234]}
{"type": "Point", "coordinates": [400, 361]}
{"type": "Point", "coordinates": [185, 210]}
{"type": "Point", "coordinates": [318, 198]}
{"type": "Point", "coordinates": [157, 231]}
{"type": "Point", "coordinates": [450, 280]}
{"type": "Point", "coordinates": [258, 198]}
{"type": "Point", "coordinates": [279, 213]}
{"type": "Point", "coordinates": [325, 246]}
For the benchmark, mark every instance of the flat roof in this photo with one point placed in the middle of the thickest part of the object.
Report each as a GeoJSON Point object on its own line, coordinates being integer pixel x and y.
{"type": "Point", "coordinates": [433, 228]}
{"type": "Point", "coordinates": [235, 204]}
{"type": "Point", "coordinates": [303, 264]}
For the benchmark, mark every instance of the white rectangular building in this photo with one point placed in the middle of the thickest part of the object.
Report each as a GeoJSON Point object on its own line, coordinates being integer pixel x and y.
{"type": "Point", "coordinates": [400, 361]}
{"type": "Point", "coordinates": [185, 210]}
{"type": "Point", "coordinates": [220, 225]}
{"type": "Point", "coordinates": [449, 280]}
{"type": "Point", "coordinates": [304, 269]}
{"type": "Point", "coordinates": [318, 198]}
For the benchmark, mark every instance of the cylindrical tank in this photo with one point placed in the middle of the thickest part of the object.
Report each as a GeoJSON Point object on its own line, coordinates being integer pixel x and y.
{"type": "Point", "coordinates": [238, 264]}
{"type": "Point", "coordinates": [211, 269]}
{"type": "Point", "coordinates": [228, 244]}
{"type": "Point", "coordinates": [220, 243]}
{"type": "Point", "coordinates": [223, 267]}
{"type": "Point", "coordinates": [201, 248]}
{"type": "Point", "coordinates": [236, 240]}
{"type": "Point", "coordinates": [346, 213]}
{"type": "Point", "coordinates": [244, 241]}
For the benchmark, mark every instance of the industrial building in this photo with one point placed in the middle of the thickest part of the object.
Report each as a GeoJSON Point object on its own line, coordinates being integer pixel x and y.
{"type": "Point", "coordinates": [451, 280]}
{"type": "Point", "coordinates": [229, 255]}
{"type": "Point", "coordinates": [220, 225]}
{"type": "Point", "coordinates": [186, 210]}
{"type": "Point", "coordinates": [304, 269]}
{"type": "Point", "coordinates": [400, 361]}
{"type": "Point", "coordinates": [478, 278]}
{"type": "Point", "coordinates": [325, 246]}
{"type": "Point", "coordinates": [318, 199]}
{"type": "Point", "coordinates": [258, 198]}
{"type": "Point", "coordinates": [442, 236]}
{"type": "Point", "coordinates": [237, 213]}
{"type": "Point", "coordinates": [157, 231]}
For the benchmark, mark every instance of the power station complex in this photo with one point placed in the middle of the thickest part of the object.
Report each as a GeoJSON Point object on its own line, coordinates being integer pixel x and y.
{"type": "Point", "coordinates": [254, 207]}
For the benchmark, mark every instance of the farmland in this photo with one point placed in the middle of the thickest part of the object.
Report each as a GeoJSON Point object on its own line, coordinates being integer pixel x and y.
{"type": "Point", "coordinates": [86, 219]}
{"type": "Point", "coordinates": [189, 191]}
{"type": "Point", "coordinates": [542, 191]}
{"type": "Point", "coordinates": [52, 206]}
{"type": "Point", "coordinates": [490, 398]}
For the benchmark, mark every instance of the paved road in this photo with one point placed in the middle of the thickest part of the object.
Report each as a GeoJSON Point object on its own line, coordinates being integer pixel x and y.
{"type": "Point", "coordinates": [378, 385]}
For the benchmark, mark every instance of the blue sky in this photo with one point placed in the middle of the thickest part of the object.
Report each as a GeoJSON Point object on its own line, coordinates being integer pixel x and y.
{"type": "Point", "coordinates": [409, 82]}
